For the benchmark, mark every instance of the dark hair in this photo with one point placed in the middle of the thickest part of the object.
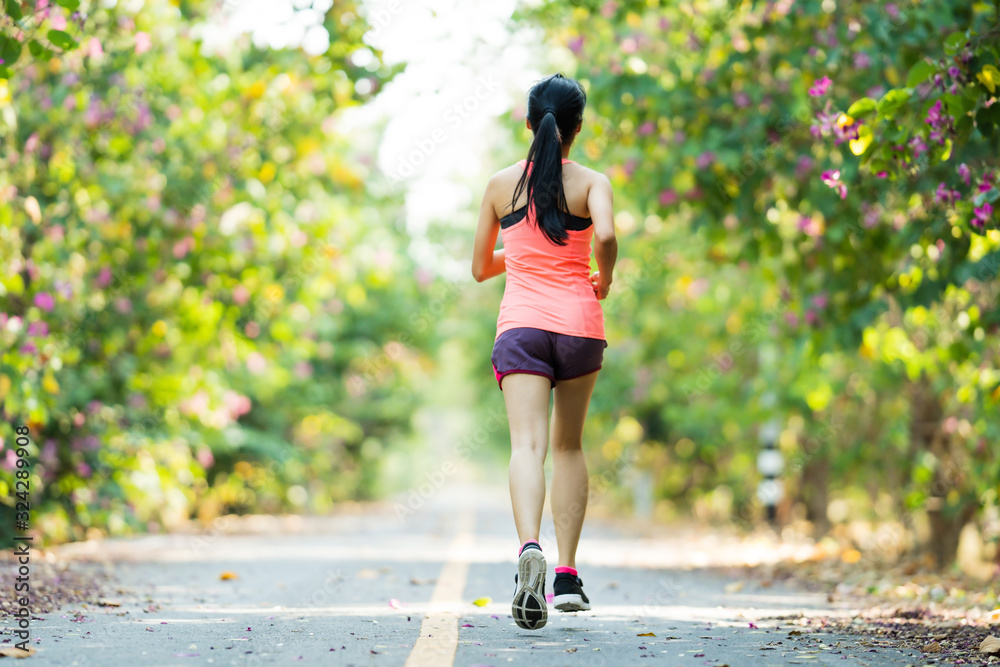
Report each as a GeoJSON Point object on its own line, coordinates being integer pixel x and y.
{"type": "Point", "coordinates": [555, 108]}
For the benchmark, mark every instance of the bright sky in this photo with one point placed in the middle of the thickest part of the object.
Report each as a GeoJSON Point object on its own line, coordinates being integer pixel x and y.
{"type": "Point", "coordinates": [464, 68]}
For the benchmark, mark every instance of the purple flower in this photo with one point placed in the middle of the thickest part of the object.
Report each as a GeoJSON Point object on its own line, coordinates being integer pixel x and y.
{"type": "Point", "coordinates": [646, 128]}
{"type": "Point", "coordinates": [576, 45]}
{"type": "Point", "coordinates": [832, 180]}
{"type": "Point", "coordinates": [819, 88]}
{"type": "Point", "coordinates": [803, 166]}
{"type": "Point", "coordinates": [45, 301]}
{"type": "Point", "coordinates": [103, 278]}
{"type": "Point", "coordinates": [820, 301]}
{"type": "Point", "coordinates": [668, 197]}
{"type": "Point", "coordinates": [38, 329]}
{"type": "Point", "coordinates": [984, 187]}
{"type": "Point", "coordinates": [918, 146]}
{"type": "Point", "coordinates": [705, 159]}
{"type": "Point", "coordinates": [945, 196]}
{"type": "Point", "coordinates": [963, 171]}
{"type": "Point", "coordinates": [982, 214]}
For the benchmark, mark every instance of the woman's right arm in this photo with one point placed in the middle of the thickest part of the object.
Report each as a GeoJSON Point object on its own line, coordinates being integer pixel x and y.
{"type": "Point", "coordinates": [599, 201]}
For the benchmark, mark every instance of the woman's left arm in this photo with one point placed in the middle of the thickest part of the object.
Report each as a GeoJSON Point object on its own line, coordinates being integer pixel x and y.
{"type": "Point", "coordinates": [487, 262]}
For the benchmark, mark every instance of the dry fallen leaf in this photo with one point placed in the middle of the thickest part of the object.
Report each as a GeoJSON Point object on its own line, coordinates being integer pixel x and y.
{"type": "Point", "coordinates": [482, 602]}
{"type": "Point", "coordinates": [851, 556]}
{"type": "Point", "coordinates": [646, 634]}
{"type": "Point", "coordinates": [933, 647]}
{"type": "Point", "coordinates": [571, 650]}
{"type": "Point", "coordinates": [14, 652]}
{"type": "Point", "coordinates": [226, 576]}
{"type": "Point", "coordinates": [734, 587]}
{"type": "Point", "coordinates": [990, 645]}
{"type": "Point", "coordinates": [109, 603]}
{"type": "Point", "coordinates": [416, 581]}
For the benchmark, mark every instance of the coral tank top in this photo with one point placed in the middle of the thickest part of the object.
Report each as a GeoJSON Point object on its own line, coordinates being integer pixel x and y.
{"type": "Point", "coordinates": [548, 286]}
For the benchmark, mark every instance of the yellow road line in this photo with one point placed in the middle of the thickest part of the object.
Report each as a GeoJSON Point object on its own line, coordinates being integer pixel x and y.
{"type": "Point", "coordinates": [438, 638]}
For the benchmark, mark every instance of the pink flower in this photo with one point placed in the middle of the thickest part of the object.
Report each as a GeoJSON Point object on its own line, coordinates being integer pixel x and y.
{"type": "Point", "coordinates": [45, 301]}
{"type": "Point", "coordinates": [576, 45]}
{"type": "Point", "coordinates": [982, 214]}
{"type": "Point", "coordinates": [205, 458]}
{"type": "Point", "coordinates": [256, 363]}
{"type": "Point", "coordinates": [832, 180]}
{"type": "Point", "coordinates": [94, 49]}
{"type": "Point", "coordinates": [820, 87]}
{"type": "Point", "coordinates": [668, 197]}
{"type": "Point", "coordinates": [142, 42]}
{"type": "Point", "coordinates": [808, 225]}
{"type": "Point", "coordinates": [963, 171]}
{"type": "Point", "coordinates": [39, 329]}
{"type": "Point", "coordinates": [103, 278]}
{"type": "Point", "coordinates": [58, 22]}
{"type": "Point", "coordinates": [646, 128]}
{"type": "Point", "coordinates": [945, 196]}
{"type": "Point", "coordinates": [705, 159]}
{"type": "Point", "coordinates": [241, 295]}
{"type": "Point", "coordinates": [820, 301]}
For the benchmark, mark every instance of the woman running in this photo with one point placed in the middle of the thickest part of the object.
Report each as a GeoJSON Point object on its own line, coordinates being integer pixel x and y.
{"type": "Point", "coordinates": [550, 330]}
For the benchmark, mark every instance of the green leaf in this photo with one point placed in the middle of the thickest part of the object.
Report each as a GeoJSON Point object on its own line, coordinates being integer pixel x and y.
{"type": "Point", "coordinates": [957, 105]}
{"type": "Point", "coordinates": [10, 50]}
{"type": "Point", "coordinates": [988, 196]}
{"type": "Point", "coordinates": [987, 118]}
{"type": "Point", "coordinates": [892, 102]}
{"type": "Point", "coordinates": [13, 9]}
{"type": "Point", "coordinates": [61, 39]}
{"type": "Point", "coordinates": [862, 107]}
{"type": "Point", "coordinates": [72, 5]}
{"type": "Point", "coordinates": [954, 42]}
{"type": "Point", "coordinates": [919, 73]}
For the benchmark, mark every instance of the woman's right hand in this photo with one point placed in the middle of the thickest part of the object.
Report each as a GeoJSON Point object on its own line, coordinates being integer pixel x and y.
{"type": "Point", "coordinates": [601, 286]}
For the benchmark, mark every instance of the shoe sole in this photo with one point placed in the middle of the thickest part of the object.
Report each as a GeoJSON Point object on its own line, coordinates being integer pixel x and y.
{"type": "Point", "coordinates": [570, 602]}
{"type": "Point", "coordinates": [529, 608]}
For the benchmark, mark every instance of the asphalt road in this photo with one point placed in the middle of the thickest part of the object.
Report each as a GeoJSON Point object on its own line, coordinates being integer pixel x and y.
{"type": "Point", "coordinates": [381, 586]}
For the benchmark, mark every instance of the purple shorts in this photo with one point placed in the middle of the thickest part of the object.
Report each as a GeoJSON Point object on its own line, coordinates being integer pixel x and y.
{"type": "Point", "coordinates": [539, 352]}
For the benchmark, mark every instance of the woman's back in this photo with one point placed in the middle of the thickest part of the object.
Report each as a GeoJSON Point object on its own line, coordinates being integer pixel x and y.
{"type": "Point", "coordinates": [548, 286]}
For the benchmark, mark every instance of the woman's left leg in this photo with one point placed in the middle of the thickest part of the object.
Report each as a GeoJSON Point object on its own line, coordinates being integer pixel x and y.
{"type": "Point", "coordinates": [527, 399]}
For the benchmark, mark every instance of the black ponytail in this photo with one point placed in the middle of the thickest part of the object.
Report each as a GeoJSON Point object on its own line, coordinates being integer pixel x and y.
{"type": "Point", "coordinates": [555, 108]}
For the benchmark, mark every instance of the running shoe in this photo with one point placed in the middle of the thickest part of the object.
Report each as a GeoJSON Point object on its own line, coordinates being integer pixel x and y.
{"type": "Point", "coordinates": [529, 608]}
{"type": "Point", "coordinates": [569, 595]}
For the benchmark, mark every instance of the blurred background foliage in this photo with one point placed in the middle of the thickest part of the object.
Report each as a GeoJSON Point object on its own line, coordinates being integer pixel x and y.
{"type": "Point", "coordinates": [207, 303]}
